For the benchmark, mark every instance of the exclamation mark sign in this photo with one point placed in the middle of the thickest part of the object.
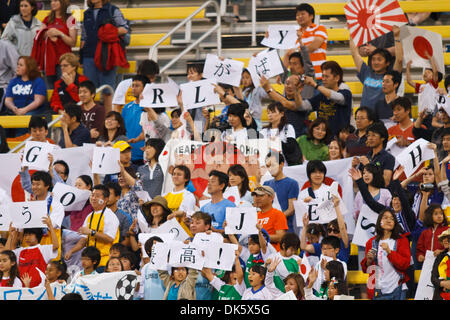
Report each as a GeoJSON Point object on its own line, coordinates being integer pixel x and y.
{"type": "Point", "coordinates": [220, 253]}
{"type": "Point", "coordinates": [101, 161]}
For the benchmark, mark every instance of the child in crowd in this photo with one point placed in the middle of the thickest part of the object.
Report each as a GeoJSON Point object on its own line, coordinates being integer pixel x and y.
{"type": "Point", "coordinates": [180, 285]}
{"type": "Point", "coordinates": [289, 246]}
{"type": "Point", "coordinates": [151, 286]}
{"type": "Point", "coordinates": [435, 223]}
{"type": "Point", "coordinates": [56, 271]}
{"type": "Point", "coordinates": [330, 247]}
{"type": "Point", "coordinates": [117, 249]}
{"type": "Point", "coordinates": [34, 256]}
{"type": "Point", "coordinates": [90, 259]}
{"type": "Point", "coordinates": [114, 264]}
{"type": "Point", "coordinates": [9, 271]}
{"type": "Point", "coordinates": [257, 290]}
{"type": "Point", "coordinates": [310, 238]}
{"type": "Point", "coordinates": [92, 113]}
{"type": "Point", "coordinates": [255, 253]}
{"type": "Point", "coordinates": [230, 285]}
{"type": "Point", "coordinates": [332, 287]}
{"type": "Point", "coordinates": [293, 282]}
{"type": "Point", "coordinates": [128, 260]}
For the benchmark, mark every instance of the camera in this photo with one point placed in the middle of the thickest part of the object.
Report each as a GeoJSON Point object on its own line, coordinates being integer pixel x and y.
{"type": "Point", "coordinates": [426, 187]}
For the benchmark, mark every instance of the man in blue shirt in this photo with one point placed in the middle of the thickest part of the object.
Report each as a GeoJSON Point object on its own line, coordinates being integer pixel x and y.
{"type": "Point", "coordinates": [75, 134]}
{"type": "Point", "coordinates": [217, 183]}
{"type": "Point", "coordinates": [131, 113]}
{"type": "Point", "coordinates": [286, 188]}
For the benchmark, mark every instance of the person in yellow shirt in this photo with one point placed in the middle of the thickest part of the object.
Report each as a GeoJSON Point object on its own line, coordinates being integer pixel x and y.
{"type": "Point", "coordinates": [100, 228]}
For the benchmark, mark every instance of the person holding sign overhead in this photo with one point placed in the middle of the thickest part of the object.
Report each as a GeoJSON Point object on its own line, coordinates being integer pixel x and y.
{"type": "Point", "coordinates": [100, 229]}
{"type": "Point", "coordinates": [33, 255]}
{"type": "Point", "coordinates": [41, 185]}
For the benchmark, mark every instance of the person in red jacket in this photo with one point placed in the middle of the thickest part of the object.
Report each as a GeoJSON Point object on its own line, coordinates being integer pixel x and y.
{"type": "Point", "coordinates": [436, 222]}
{"type": "Point", "coordinates": [66, 88]}
{"type": "Point", "coordinates": [387, 259]}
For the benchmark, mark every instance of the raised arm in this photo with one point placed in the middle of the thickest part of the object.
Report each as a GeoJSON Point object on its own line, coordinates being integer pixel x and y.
{"type": "Point", "coordinates": [398, 64]}
{"type": "Point", "coordinates": [355, 54]}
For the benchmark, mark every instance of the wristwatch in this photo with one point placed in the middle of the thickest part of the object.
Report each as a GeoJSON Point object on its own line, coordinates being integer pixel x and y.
{"type": "Point", "coordinates": [317, 85]}
{"type": "Point", "coordinates": [93, 232]}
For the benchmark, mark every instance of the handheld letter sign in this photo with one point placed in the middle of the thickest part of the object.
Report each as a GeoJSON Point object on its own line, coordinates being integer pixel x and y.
{"type": "Point", "coordinates": [281, 36]}
{"type": "Point", "coordinates": [143, 237]}
{"type": "Point", "coordinates": [35, 155]}
{"type": "Point", "coordinates": [220, 256]}
{"type": "Point", "coordinates": [365, 227]}
{"type": "Point", "coordinates": [241, 220]}
{"type": "Point", "coordinates": [224, 71]}
{"type": "Point", "coordinates": [173, 226]}
{"type": "Point", "coordinates": [413, 156]}
{"type": "Point", "coordinates": [72, 199]}
{"type": "Point", "coordinates": [266, 63]}
{"type": "Point", "coordinates": [425, 288]}
{"type": "Point", "coordinates": [185, 255]}
{"type": "Point", "coordinates": [106, 160]}
{"type": "Point", "coordinates": [417, 42]}
{"type": "Point", "coordinates": [198, 94]}
{"type": "Point", "coordinates": [371, 19]}
{"type": "Point", "coordinates": [159, 256]}
{"type": "Point", "coordinates": [28, 214]}
{"type": "Point", "coordinates": [5, 218]}
{"type": "Point", "coordinates": [159, 95]}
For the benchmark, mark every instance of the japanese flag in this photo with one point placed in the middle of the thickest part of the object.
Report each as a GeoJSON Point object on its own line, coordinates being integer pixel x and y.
{"type": "Point", "coordinates": [370, 19]}
{"type": "Point", "coordinates": [305, 267]}
{"type": "Point", "coordinates": [416, 42]}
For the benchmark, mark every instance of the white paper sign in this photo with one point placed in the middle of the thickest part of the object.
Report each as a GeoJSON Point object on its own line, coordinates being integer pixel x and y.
{"type": "Point", "coordinates": [28, 214]}
{"type": "Point", "coordinates": [77, 159]}
{"type": "Point", "coordinates": [9, 170]}
{"type": "Point", "coordinates": [290, 295]}
{"type": "Point", "coordinates": [427, 98]}
{"type": "Point", "coordinates": [143, 237]}
{"type": "Point", "coordinates": [226, 71]}
{"type": "Point", "coordinates": [106, 160]}
{"type": "Point", "coordinates": [5, 218]}
{"type": "Point", "coordinates": [172, 226]}
{"type": "Point", "coordinates": [121, 91]}
{"type": "Point", "coordinates": [35, 155]}
{"type": "Point", "coordinates": [198, 94]}
{"type": "Point", "coordinates": [281, 36]}
{"type": "Point", "coordinates": [300, 208]}
{"type": "Point", "coordinates": [159, 95]}
{"type": "Point", "coordinates": [220, 256]}
{"type": "Point", "coordinates": [241, 220]}
{"type": "Point", "coordinates": [365, 226]}
{"type": "Point", "coordinates": [425, 288]}
{"type": "Point", "coordinates": [414, 155]}
{"type": "Point", "coordinates": [72, 199]}
{"type": "Point", "coordinates": [186, 255]}
{"type": "Point", "coordinates": [266, 63]}
{"type": "Point", "coordinates": [159, 256]}
{"type": "Point", "coordinates": [443, 101]}
{"type": "Point", "coordinates": [326, 211]}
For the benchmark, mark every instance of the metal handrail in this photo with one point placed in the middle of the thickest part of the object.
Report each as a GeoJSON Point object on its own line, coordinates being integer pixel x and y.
{"type": "Point", "coordinates": [53, 122]}
{"type": "Point", "coordinates": [153, 50]}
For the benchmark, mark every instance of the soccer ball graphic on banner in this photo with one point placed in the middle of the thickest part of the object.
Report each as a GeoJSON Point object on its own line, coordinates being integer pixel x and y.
{"type": "Point", "coordinates": [125, 287]}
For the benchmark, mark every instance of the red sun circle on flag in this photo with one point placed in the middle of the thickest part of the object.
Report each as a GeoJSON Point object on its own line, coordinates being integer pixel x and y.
{"type": "Point", "coordinates": [303, 269]}
{"type": "Point", "coordinates": [422, 46]}
{"type": "Point", "coordinates": [366, 18]}
{"type": "Point", "coordinates": [232, 198]}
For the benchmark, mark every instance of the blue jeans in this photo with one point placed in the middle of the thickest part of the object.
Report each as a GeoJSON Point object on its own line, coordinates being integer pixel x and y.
{"type": "Point", "coordinates": [98, 77]}
{"type": "Point", "coordinates": [397, 294]}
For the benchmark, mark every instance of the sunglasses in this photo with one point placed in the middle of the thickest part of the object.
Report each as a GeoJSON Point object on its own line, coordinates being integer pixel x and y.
{"type": "Point", "coordinates": [332, 230]}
